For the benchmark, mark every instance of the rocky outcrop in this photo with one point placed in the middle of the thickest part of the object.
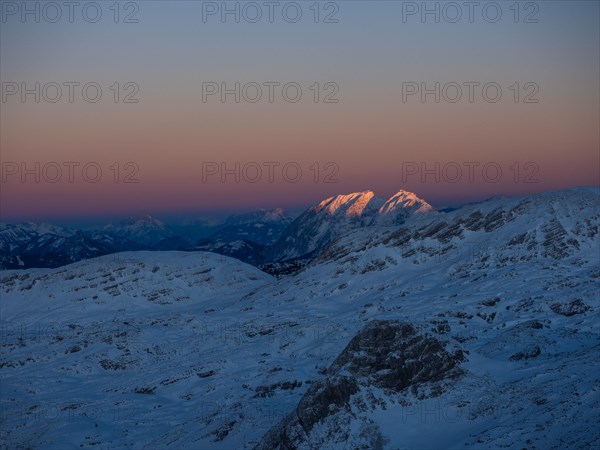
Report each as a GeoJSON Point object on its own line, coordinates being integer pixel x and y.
{"type": "Point", "coordinates": [386, 355]}
{"type": "Point", "coordinates": [572, 308]}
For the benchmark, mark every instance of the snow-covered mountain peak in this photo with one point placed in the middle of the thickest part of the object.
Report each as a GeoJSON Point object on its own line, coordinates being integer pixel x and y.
{"type": "Point", "coordinates": [146, 220]}
{"type": "Point", "coordinates": [401, 205]}
{"type": "Point", "coordinates": [338, 215]}
{"type": "Point", "coordinates": [405, 199]}
{"type": "Point", "coordinates": [274, 214]}
{"type": "Point", "coordinates": [133, 223]}
{"type": "Point", "coordinates": [258, 216]}
{"type": "Point", "coordinates": [45, 228]}
{"type": "Point", "coordinates": [354, 204]}
{"type": "Point", "coordinates": [150, 219]}
{"type": "Point", "coordinates": [146, 230]}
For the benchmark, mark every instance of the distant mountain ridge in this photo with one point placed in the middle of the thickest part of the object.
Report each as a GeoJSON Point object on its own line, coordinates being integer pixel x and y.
{"type": "Point", "coordinates": [267, 238]}
{"type": "Point", "coordinates": [29, 245]}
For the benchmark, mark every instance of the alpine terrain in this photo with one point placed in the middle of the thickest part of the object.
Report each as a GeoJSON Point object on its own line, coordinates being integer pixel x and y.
{"type": "Point", "coordinates": [403, 327]}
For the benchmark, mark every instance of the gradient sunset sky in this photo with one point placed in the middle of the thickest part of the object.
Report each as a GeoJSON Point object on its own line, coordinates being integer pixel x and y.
{"type": "Point", "coordinates": [370, 134]}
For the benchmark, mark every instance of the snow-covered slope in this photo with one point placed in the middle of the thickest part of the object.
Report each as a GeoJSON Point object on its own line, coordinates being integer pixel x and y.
{"type": "Point", "coordinates": [473, 329]}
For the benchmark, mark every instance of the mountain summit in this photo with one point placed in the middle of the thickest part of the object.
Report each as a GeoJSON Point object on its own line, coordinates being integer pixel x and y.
{"type": "Point", "coordinates": [335, 216]}
{"type": "Point", "coordinates": [145, 230]}
{"type": "Point", "coordinates": [353, 205]}
{"type": "Point", "coordinates": [400, 206]}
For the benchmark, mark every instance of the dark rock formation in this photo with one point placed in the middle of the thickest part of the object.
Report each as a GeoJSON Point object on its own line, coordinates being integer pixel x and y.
{"type": "Point", "coordinates": [389, 355]}
{"type": "Point", "coordinates": [570, 309]}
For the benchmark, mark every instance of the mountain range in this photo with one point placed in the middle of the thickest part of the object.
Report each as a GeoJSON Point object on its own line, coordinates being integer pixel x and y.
{"type": "Point", "coordinates": [30, 245]}
{"type": "Point", "coordinates": [258, 237]}
{"type": "Point", "coordinates": [475, 328]}
{"type": "Point", "coordinates": [336, 216]}
{"type": "Point", "coordinates": [269, 239]}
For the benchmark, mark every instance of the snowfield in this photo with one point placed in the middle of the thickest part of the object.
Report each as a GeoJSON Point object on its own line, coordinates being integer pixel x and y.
{"type": "Point", "coordinates": [478, 328]}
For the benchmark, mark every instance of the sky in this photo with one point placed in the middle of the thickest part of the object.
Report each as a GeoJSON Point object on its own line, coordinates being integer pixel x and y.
{"type": "Point", "coordinates": [456, 105]}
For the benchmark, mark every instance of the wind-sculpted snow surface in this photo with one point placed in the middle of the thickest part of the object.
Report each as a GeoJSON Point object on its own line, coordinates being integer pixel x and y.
{"type": "Point", "coordinates": [472, 329]}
